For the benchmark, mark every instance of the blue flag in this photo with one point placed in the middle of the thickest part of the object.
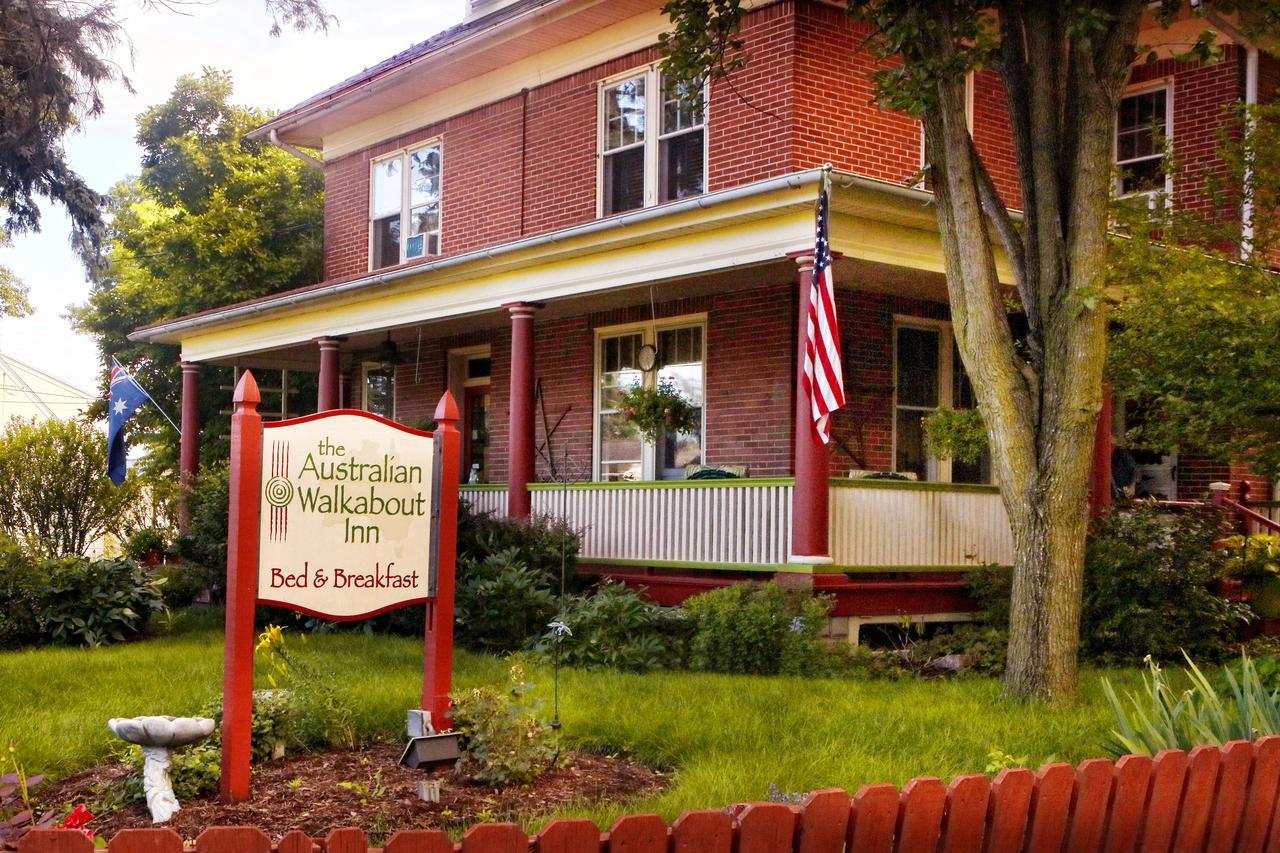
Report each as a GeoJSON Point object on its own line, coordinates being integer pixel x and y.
{"type": "Point", "coordinates": [126, 396]}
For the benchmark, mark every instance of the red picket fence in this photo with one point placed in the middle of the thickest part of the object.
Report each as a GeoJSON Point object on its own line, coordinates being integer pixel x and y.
{"type": "Point", "coordinates": [1213, 799]}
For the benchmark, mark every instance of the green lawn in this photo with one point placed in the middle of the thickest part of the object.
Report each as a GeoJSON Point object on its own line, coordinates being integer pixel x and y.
{"type": "Point", "coordinates": [726, 737]}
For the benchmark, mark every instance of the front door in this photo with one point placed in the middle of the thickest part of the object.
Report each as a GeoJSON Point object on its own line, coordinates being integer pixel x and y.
{"type": "Point", "coordinates": [475, 438]}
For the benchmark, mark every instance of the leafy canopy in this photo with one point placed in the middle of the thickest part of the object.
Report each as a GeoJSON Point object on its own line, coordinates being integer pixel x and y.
{"type": "Point", "coordinates": [213, 218]}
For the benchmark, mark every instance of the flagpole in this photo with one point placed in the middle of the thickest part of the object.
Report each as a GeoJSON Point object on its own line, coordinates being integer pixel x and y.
{"type": "Point", "coordinates": [162, 412]}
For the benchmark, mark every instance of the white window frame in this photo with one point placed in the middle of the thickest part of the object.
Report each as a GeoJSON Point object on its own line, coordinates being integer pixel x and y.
{"type": "Point", "coordinates": [403, 155]}
{"type": "Point", "coordinates": [365, 367]}
{"type": "Point", "coordinates": [653, 135]}
{"type": "Point", "coordinates": [936, 470]}
{"type": "Point", "coordinates": [649, 335]}
{"type": "Point", "coordinates": [1165, 83]}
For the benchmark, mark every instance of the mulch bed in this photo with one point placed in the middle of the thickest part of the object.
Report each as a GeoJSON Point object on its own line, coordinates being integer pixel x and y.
{"type": "Point", "coordinates": [303, 792]}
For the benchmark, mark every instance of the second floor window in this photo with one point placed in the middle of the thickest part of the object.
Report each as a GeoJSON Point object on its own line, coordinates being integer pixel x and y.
{"type": "Point", "coordinates": [1142, 131]}
{"type": "Point", "coordinates": [405, 207]}
{"type": "Point", "coordinates": [652, 142]}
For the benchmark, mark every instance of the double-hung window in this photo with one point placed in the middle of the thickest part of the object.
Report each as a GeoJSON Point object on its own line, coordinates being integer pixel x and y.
{"type": "Point", "coordinates": [1143, 127]}
{"type": "Point", "coordinates": [404, 212]}
{"type": "Point", "coordinates": [621, 454]}
{"type": "Point", "coordinates": [652, 141]}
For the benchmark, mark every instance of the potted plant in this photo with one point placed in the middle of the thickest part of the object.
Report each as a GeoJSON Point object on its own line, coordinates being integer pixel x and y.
{"type": "Point", "coordinates": [655, 409]}
{"type": "Point", "coordinates": [956, 434]}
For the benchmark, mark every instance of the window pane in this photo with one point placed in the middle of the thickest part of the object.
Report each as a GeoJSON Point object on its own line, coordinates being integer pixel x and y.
{"type": "Point", "coordinates": [380, 392]}
{"type": "Point", "coordinates": [479, 367]}
{"type": "Point", "coordinates": [386, 241]}
{"type": "Point", "coordinates": [387, 188]}
{"type": "Point", "coordinates": [962, 396]}
{"type": "Point", "coordinates": [621, 450]}
{"type": "Point", "coordinates": [682, 108]}
{"type": "Point", "coordinates": [909, 444]}
{"type": "Point", "coordinates": [424, 231]}
{"type": "Point", "coordinates": [624, 113]}
{"type": "Point", "coordinates": [1142, 176]}
{"type": "Point", "coordinates": [917, 367]}
{"type": "Point", "coordinates": [623, 181]}
{"type": "Point", "coordinates": [682, 168]}
{"type": "Point", "coordinates": [680, 351]}
{"type": "Point", "coordinates": [424, 175]}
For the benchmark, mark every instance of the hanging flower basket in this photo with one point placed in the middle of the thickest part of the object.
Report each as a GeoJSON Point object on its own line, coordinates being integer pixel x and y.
{"type": "Point", "coordinates": [662, 407]}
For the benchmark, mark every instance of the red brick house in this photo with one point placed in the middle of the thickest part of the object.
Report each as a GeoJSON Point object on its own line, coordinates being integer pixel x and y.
{"type": "Point", "coordinates": [517, 211]}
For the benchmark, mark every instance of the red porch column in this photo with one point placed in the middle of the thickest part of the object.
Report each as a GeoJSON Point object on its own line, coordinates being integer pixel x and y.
{"type": "Point", "coordinates": [809, 498]}
{"type": "Point", "coordinates": [520, 462]}
{"type": "Point", "coordinates": [1100, 473]}
{"type": "Point", "coordinates": [189, 441]}
{"type": "Point", "coordinates": [328, 396]}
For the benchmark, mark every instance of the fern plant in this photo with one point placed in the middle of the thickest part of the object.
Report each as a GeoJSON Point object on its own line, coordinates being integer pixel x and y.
{"type": "Point", "coordinates": [1160, 716]}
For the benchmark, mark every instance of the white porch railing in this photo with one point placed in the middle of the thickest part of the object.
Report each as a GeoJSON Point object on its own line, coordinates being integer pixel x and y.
{"type": "Point", "coordinates": [700, 523]}
{"type": "Point", "coordinates": [891, 523]}
{"type": "Point", "coordinates": [747, 523]}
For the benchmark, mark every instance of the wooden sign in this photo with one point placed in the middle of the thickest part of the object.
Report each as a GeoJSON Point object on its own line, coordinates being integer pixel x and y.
{"type": "Point", "coordinates": [342, 515]}
{"type": "Point", "coordinates": [345, 530]}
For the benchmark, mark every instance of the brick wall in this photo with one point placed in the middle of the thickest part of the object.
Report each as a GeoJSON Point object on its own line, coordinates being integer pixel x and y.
{"type": "Point", "coordinates": [526, 164]}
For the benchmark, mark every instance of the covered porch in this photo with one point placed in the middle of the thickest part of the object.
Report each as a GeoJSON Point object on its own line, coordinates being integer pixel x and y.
{"type": "Point", "coordinates": [535, 341]}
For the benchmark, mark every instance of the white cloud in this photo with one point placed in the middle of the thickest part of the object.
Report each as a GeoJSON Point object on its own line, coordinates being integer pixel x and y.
{"type": "Point", "coordinates": [274, 73]}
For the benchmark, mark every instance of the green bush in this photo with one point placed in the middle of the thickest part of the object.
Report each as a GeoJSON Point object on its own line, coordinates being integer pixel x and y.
{"type": "Point", "coordinates": [194, 771]}
{"type": "Point", "coordinates": [208, 501]}
{"type": "Point", "coordinates": [502, 603]}
{"type": "Point", "coordinates": [21, 597]}
{"type": "Point", "coordinates": [54, 496]}
{"type": "Point", "coordinates": [759, 628]}
{"type": "Point", "coordinates": [543, 544]}
{"type": "Point", "coordinates": [95, 602]}
{"type": "Point", "coordinates": [184, 581]}
{"type": "Point", "coordinates": [1161, 715]}
{"type": "Point", "coordinates": [1148, 587]}
{"type": "Point", "coordinates": [619, 628]}
{"type": "Point", "coordinates": [1255, 560]}
{"type": "Point", "coordinates": [145, 542]}
{"type": "Point", "coordinates": [504, 742]}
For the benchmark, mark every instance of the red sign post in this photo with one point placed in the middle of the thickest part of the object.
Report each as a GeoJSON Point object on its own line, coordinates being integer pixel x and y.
{"type": "Point", "coordinates": [353, 515]}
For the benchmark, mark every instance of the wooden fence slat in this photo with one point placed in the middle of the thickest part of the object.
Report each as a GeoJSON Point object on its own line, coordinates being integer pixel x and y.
{"type": "Point", "coordinates": [1089, 813]}
{"type": "Point", "coordinates": [706, 831]}
{"type": "Point", "coordinates": [1050, 808]}
{"type": "Point", "coordinates": [233, 839]}
{"type": "Point", "coordinates": [495, 838]}
{"type": "Point", "coordinates": [347, 839]}
{"type": "Point", "coordinates": [1197, 799]}
{"type": "Point", "coordinates": [1168, 771]}
{"type": "Point", "coordinates": [824, 822]}
{"type": "Point", "coordinates": [638, 833]}
{"type": "Point", "coordinates": [1233, 784]}
{"type": "Point", "coordinates": [569, 836]}
{"type": "Point", "coordinates": [923, 801]}
{"type": "Point", "coordinates": [1261, 802]}
{"type": "Point", "coordinates": [766, 828]}
{"type": "Point", "coordinates": [1010, 809]}
{"type": "Point", "coordinates": [154, 840]}
{"type": "Point", "coordinates": [874, 819]}
{"type": "Point", "coordinates": [965, 822]}
{"type": "Point", "coordinates": [418, 841]}
{"type": "Point", "coordinates": [295, 841]}
{"type": "Point", "coordinates": [1128, 803]}
{"type": "Point", "coordinates": [54, 841]}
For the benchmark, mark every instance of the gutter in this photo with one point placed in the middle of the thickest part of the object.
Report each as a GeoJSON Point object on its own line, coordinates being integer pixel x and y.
{"type": "Point", "coordinates": [296, 152]}
{"type": "Point", "coordinates": [702, 202]}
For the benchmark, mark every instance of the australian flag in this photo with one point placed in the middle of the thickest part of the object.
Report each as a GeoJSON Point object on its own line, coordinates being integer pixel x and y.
{"type": "Point", "coordinates": [126, 396]}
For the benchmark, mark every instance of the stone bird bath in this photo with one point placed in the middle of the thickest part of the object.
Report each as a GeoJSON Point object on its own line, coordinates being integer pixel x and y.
{"type": "Point", "coordinates": [156, 736]}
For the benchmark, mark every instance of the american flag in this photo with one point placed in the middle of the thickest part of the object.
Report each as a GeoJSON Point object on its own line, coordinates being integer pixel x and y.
{"type": "Point", "coordinates": [823, 376]}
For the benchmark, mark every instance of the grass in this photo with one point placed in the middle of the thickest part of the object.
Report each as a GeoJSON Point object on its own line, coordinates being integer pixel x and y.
{"type": "Point", "coordinates": [725, 737]}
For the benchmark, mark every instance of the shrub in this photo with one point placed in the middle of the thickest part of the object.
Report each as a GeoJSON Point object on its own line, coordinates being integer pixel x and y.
{"type": "Point", "coordinates": [758, 628]}
{"type": "Point", "coordinates": [145, 542]}
{"type": "Point", "coordinates": [504, 742]}
{"type": "Point", "coordinates": [1255, 560]}
{"type": "Point", "coordinates": [184, 581]}
{"type": "Point", "coordinates": [1159, 715]}
{"type": "Point", "coordinates": [501, 603]}
{"type": "Point", "coordinates": [542, 544]}
{"type": "Point", "coordinates": [1147, 590]}
{"type": "Point", "coordinates": [21, 596]}
{"type": "Point", "coordinates": [194, 771]}
{"type": "Point", "coordinates": [95, 602]}
{"type": "Point", "coordinates": [208, 501]}
{"type": "Point", "coordinates": [620, 628]}
{"type": "Point", "coordinates": [54, 497]}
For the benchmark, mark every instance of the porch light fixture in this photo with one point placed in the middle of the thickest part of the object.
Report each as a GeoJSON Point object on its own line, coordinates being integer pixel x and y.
{"type": "Point", "coordinates": [647, 357]}
{"type": "Point", "coordinates": [389, 354]}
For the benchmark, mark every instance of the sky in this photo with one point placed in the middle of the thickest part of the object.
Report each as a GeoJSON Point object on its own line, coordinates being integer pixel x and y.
{"type": "Point", "coordinates": [272, 73]}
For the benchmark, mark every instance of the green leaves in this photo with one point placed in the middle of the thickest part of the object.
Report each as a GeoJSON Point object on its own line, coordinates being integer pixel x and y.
{"type": "Point", "coordinates": [957, 434]}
